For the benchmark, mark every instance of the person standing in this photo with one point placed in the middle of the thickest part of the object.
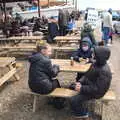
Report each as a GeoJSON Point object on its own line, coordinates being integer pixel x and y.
{"type": "Point", "coordinates": [107, 26]}
{"type": "Point", "coordinates": [62, 22]}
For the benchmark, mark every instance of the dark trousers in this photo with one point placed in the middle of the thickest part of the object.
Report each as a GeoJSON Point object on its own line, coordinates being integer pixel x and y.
{"type": "Point", "coordinates": [79, 105]}
{"type": "Point", "coordinates": [62, 30]}
{"type": "Point", "coordinates": [45, 87]}
{"type": "Point", "coordinates": [79, 75]}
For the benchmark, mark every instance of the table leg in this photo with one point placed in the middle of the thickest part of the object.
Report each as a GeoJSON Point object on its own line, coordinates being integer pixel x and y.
{"type": "Point", "coordinates": [15, 75]}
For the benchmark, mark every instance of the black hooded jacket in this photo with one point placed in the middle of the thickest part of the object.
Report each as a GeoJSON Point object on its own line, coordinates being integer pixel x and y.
{"type": "Point", "coordinates": [41, 73]}
{"type": "Point", "coordinates": [96, 81]}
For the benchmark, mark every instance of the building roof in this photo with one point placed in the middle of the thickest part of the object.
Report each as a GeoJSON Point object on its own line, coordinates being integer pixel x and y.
{"type": "Point", "coordinates": [1, 1]}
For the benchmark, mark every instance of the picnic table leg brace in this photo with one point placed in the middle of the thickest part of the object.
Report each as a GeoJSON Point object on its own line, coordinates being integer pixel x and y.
{"type": "Point", "coordinates": [15, 75]}
{"type": "Point", "coordinates": [102, 108]}
{"type": "Point", "coordinates": [34, 102]}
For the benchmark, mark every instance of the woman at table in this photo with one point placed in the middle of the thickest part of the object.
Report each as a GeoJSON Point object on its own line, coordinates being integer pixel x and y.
{"type": "Point", "coordinates": [42, 72]}
{"type": "Point", "coordinates": [93, 85]}
{"type": "Point", "coordinates": [83, 52]}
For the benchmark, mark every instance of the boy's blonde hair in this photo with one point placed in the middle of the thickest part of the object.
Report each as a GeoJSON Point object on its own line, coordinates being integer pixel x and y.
{"type": "Point", "coordinates": [42, 45]}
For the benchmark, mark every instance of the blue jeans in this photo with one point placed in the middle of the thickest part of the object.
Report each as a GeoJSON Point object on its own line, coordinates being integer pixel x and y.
{"type": "Point", "coordinates": [106, 33]}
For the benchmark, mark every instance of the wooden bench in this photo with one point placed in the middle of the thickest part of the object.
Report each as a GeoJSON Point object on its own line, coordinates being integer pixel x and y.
{"type": "Point", "coordinates": [66, 93]}
{"type": "Point", "coordinates": [10, 63]}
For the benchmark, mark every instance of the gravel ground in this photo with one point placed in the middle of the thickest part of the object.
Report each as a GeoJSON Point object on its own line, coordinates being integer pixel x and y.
{"type": "Point", "coordinates": [16, 105]}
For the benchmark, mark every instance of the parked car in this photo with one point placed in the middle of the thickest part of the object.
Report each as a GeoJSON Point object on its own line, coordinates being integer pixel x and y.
{"type": "Point", "coordinates": [116, 27]}
{"type": "Point", "coordinates": [115, 15]}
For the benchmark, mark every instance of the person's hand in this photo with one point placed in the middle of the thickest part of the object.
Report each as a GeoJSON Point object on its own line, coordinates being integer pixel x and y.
{"type": "Point", "coordinates": [78, 86]}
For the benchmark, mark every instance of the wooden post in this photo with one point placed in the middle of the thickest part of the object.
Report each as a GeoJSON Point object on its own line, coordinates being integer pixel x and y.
{"type": "Point", "coordinates": [66, 2]}
{"type": "Point", "coordinates": [4, 8]}
{"type": "Point", "coordinates": [5, 17]}
{"type": "Point", "coordinates": [76, 4]}
{"type": "Point", "coordinates": [39, 8]}
{"type": "Point", "coordinates": [48, 3]}
{"type": "Point", "coordinates": [73, 2]}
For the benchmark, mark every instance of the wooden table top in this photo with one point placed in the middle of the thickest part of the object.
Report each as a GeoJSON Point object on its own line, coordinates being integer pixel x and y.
{"type": "Point", "coordinates": [4, 61]}
{"type": "Point", "coordinates": [64, 48]}
{"type": "Point", "coordinates": [66, 67]}
{"type": "Point", "coordinates": [60, 38]}
{"type": "Point", "coordinates": [23, 38]}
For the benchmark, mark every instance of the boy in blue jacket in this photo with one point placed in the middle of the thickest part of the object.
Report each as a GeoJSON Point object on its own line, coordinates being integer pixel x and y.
{"type": "Point", "coordinates": [83, 52]}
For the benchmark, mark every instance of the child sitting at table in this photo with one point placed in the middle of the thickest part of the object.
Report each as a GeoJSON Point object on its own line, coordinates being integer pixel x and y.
{"type": "Point", "coordinates": [83, 52]}
{"type": "Point", "coordinates": [42, 72]}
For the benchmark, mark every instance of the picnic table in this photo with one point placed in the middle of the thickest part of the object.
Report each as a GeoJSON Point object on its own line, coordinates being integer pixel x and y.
{"type": "Point", "coordinates": [16, 40]}
{"type": "Point", "coordinates": [7, 62]}
{"type": "Point", "coordinates": [66, 39]}
{"type": "Point", "coordinates": [65, 66]}
{"type": "Point", "coordinates": [60, 51]}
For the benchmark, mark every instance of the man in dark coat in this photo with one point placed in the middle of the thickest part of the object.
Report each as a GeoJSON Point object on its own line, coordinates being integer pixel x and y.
{"type": "Point", "coordinates": [62, 22]}
{"type": "Point", "coordinates": [42, 72]}
{"type": "Point", "coordinates": [94, 84]}
{"type": "Point", "coordinates": [52, 29]}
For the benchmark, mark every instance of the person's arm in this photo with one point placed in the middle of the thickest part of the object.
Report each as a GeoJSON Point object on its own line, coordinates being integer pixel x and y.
{"type": "Point", "coordinates": [92, 37]}
{"type": "Point", "coordinates": [110, 21]}
{"type": "Point", "coordinates": [76, 55]}
{"type": "Point", "coordinates": [51, 70]}
{"type": "Point", "coordinates": [100, 84]}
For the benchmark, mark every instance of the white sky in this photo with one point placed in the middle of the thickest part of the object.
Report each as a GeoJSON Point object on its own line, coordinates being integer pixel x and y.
{"type": "Point", "coordinates": [100, 4]}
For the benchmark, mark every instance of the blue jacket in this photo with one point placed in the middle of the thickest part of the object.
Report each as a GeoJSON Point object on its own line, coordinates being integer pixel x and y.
{"type": "Point", "coordinates": [82, 54]}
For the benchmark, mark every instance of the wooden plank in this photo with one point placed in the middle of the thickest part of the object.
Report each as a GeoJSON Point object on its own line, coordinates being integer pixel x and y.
{"type": "Point", "coordinates": [7, 76]}
{"type": "Point", "coordinates": [68, 38]}
{"type": "Point", "coordinates": [66, 93]}
{"type": "Point", "coordinates": [66, 67]}
{"type": "Point", "coordinates": [4, 61]}
{"type": "Point", "coordinates": [58, 92]}
{"type": "Point", "coordinates": [15, 75]}
{"type": "Point", "coordinates": [26, 38]}
{"type": "Point", "coordinates": [22, 38]}
{"type": "Point", "coordinates": [110, 95]}
{"type": "Point", "coordinates": [63, 92]}
{"type": "Point", "coordinates": [64, 48]}
{"type": "Point", "coordinates": [18, 47]}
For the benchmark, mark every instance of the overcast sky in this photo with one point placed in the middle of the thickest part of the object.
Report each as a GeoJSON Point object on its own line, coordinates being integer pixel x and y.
{"type": "Point", "coordinates": [104, 4]}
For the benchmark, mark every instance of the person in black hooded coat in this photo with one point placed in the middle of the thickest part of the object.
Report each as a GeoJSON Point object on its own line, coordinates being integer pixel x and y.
{"type": "Point", "coordinates": [42, 72]}
{"type": "Point", "coordinates": [94, 84]}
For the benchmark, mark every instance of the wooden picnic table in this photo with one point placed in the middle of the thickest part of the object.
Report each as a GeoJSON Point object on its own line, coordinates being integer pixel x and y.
{"type": "Point", "coordinates": [66, 67]}
{"type": "Point", "coordinates": [61, 50]}
{"type": "Point", "coordinates": [16, 40]}
{"type": "Point", "coordinates": [8, 62]}
{"type": "Point", "coordinates": [23, 38]}
{"type": "Point", "coordinates": [66, 39]}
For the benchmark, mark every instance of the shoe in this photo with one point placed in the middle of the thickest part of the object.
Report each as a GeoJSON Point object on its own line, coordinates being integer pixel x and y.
{"type": "Point", "coordinates": [109, 45]}
{"type": "Point", "coordinates": [86, 117]}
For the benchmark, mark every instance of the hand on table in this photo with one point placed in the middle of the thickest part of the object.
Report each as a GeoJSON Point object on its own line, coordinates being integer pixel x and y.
{"type": "Point", "coordinates": [78, 86]}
